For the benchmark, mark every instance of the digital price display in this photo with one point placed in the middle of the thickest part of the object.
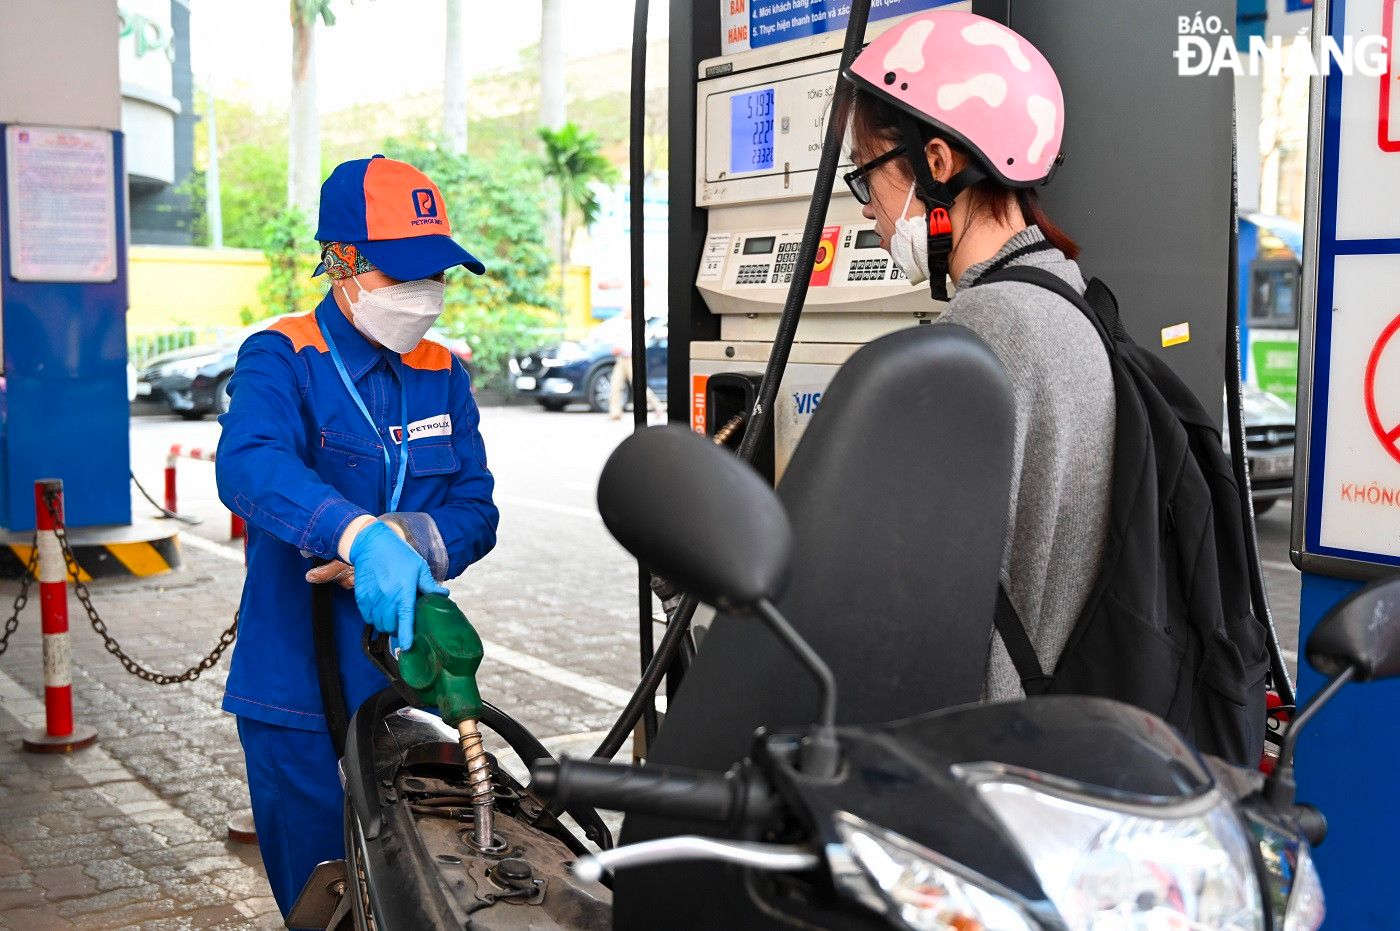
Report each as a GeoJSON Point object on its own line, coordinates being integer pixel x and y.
{"type": "Point", "coordinates": [751, 131]}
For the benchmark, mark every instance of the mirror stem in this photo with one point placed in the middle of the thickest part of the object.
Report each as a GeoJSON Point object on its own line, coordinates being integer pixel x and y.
{"type": "Point", "coordinates": [820, 753]}
{"type": "Point", "coordinates": [1281, 788]}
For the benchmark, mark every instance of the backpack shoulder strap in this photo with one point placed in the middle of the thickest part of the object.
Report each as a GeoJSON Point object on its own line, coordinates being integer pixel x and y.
{"type": "Point", "coordinates": [1018, 645]}
{"type": "Point", "coordinates": [1105, 304]}
{"type": "Point", "coordinates": [1040, 277]}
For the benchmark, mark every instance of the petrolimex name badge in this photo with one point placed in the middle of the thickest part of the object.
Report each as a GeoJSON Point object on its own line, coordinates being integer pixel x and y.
{"type": "Point", "coordinates": [441, 425]}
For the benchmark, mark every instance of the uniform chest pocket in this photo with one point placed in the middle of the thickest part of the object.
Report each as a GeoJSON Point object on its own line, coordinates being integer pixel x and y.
{"type": "Point", "coordinates": [348, 450]}
{"type": "Point", "coordinates": [431, 459]}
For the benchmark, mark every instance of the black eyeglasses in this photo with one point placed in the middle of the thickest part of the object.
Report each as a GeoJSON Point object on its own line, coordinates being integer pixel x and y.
{"type": "Point", "coordinates": [859, 179]}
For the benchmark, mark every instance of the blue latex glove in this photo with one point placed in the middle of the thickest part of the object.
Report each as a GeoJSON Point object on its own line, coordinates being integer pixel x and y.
{"type": "Point", "coordinates": [389, 574]}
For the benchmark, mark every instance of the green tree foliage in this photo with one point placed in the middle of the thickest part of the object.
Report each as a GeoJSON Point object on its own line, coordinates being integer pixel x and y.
{"type": "Point", "coordinates": [290, 253]}
{"type": "Point", "coordinates": [573, 160]}
{"type": "Point", "coordinates": [252, 170]}
{"type": "Point", "coordinates": [497, 214]}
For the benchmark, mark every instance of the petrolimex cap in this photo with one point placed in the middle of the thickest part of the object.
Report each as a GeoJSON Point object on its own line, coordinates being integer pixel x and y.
{"type": "Point", "coordinates": [395, 216]}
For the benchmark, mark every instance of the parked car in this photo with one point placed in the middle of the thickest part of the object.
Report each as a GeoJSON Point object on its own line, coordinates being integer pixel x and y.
{"type": "Point", "coordinates": [1269, 428]}
{"type": "Point", "coordinates": [193, 382]}
{"type": "Point", "coordinates": [580, 371]}
{"type": "Point", "coordinates": [166, 380]}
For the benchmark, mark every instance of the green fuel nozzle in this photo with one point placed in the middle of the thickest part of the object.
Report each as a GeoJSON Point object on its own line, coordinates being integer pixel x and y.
{"type": "Point", "coordinates": [441, 668]}
{"type": "Point", "coordinates": [442, 663]}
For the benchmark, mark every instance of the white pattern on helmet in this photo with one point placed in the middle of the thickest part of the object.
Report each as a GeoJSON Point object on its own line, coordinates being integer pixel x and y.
{"type": "Point", "coordinates": [1042, 113]}
{"type": "Point", "coordinates": [987, 87]}
{"type": "Point", "coordinates": [986, 33]}
{"type": "Point", "coordinates": [908, 52]}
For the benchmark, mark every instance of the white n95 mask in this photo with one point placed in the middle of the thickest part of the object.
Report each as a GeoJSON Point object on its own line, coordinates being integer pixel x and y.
{"type": "Point", "coordinates": [909, 244]}
{"type": "Point", "coordinates": [398, 316]}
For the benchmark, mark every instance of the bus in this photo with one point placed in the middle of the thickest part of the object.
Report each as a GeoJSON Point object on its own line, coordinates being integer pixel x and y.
{"type": "Point", "coordinates": [1271, 252]}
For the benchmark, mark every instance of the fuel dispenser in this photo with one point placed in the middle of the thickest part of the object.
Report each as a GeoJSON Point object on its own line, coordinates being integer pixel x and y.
{"type": "Point", "coordinates": [761, 118]}
{"type": "Point", "coordinates": [751, 91]}
{"type": "Point", "coordinates": [1147, 190]}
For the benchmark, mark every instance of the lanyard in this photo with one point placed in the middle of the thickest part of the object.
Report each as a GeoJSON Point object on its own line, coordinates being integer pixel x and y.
{"type": "Point", "coordinates": [392, 489]}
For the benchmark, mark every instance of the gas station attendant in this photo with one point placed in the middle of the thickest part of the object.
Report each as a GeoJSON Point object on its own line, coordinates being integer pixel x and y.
{"type": "Point", "coordinates": [351, 439]}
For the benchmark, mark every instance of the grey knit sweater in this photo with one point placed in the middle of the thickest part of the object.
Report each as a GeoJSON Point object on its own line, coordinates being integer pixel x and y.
{"type": "Point", "coordinates": [1063, 454]}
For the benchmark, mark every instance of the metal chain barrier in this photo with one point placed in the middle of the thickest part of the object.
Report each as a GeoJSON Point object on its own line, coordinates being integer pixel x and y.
{"type": "Point", "coordinates": [85, 599]}
{"type": "Point", "coordinates": [22, 599]}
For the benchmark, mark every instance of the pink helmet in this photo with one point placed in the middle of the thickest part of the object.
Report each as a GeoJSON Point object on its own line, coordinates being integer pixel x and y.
{"type": "Point", "coordinates": [978, 82]}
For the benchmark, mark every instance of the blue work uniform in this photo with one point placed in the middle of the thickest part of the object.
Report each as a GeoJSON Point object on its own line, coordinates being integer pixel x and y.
{"type": "Point", "coordinates": [299, 460]}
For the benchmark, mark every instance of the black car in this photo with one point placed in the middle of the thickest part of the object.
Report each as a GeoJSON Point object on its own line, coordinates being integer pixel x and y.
{"type": "Point", "coordinates": [167, 380]}
{"type": "Point", "coordinates": [193, 382]}
{"type": "Point", "coordinates": [580, 371]}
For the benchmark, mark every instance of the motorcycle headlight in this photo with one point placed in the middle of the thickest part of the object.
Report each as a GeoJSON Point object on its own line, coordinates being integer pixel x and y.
{"type": "Point", "coordinates": [925, 891]}
{"type": "Point", "coordinates": [1108, 866]}
{"type": "Point", "coordinates": [1292, 880]}
{"type": "Point", "coordinates": [1306, 908]}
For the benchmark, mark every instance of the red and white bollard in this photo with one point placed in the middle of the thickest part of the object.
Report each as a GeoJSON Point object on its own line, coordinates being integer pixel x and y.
{"type": "Point", "coordinates": [170, 503]}
{"type": "Point", "coordinates": [237, 529]}
{"type": "Point", "coordinates": [60, 734]}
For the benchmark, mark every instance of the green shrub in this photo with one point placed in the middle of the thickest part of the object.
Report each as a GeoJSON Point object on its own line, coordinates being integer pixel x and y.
{"type": "Point", "coordinates": [291, 258]}
{"type": "Point", "coordinates": [497, 213]}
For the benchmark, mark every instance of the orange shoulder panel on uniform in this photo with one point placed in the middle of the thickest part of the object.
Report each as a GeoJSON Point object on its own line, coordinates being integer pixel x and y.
{"type": "Point", "coordinates": [428, 356]}
{"type": "Point", "coordinates": [302, 330]}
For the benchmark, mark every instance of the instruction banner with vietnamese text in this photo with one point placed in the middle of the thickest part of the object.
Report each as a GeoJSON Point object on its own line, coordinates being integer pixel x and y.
{"type": "Point", "coordinates": [751, 24]}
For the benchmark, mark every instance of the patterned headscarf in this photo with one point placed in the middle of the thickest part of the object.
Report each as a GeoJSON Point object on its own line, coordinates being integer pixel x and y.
{"type": "Point", "coordinates": [343, 260]}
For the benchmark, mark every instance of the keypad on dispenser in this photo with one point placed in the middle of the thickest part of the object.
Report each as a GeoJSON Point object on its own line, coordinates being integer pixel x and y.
{"type": "Point", "coordinates": [868, 270]}
{"type": "Point", "coordinates": [752, 274]}
{"type": "Point", "coordinates": [787, 261]}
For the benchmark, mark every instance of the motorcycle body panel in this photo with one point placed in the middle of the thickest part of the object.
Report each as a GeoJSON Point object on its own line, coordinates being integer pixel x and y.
{"type": "Point", "coordinates": [411, 863]}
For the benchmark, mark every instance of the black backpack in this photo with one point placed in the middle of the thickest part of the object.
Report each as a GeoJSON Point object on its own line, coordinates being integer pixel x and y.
{"type": "Point", "coordinates": [1169, 625]}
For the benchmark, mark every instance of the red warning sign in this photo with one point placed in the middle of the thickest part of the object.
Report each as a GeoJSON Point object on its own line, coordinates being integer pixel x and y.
{"type": "Point", "coordinates": [1389, 436]}
{"type": "Point", "coordinates": [826, 257]}
{"type": "Point", "coordinates": [1389, 135]}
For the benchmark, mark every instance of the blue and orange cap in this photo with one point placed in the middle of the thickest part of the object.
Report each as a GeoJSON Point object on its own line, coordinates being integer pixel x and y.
{"type": "Point", "coordinates": [393, 214]}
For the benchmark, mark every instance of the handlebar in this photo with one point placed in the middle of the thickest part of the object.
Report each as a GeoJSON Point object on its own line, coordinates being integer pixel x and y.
{"type": "Point", "coordinates": [656, 790]}
{"type": "Point", "coordinates": [1311, 822]}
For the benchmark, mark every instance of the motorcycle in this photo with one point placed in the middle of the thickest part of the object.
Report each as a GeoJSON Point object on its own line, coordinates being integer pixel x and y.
{"type": "Point", "coordinates": [1062, 812]}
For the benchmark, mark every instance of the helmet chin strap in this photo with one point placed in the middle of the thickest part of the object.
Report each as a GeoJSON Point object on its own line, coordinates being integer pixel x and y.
{"type": "Point", "coordinates": [937, 198]}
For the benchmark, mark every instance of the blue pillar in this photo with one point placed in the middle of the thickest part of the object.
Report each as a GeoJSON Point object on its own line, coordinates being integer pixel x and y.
{"type": "Point", "coordinates": [1348, 761]}
{"type": "Point", "coordinates": [64, 410]}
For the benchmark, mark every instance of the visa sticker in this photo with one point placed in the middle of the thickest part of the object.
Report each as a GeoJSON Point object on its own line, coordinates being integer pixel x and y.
{"type": "Point", "coordinates": [1176, 335]}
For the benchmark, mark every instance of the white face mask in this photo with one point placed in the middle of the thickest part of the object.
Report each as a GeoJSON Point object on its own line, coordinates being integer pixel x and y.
{"type": "Point", "coordinates": [398, 316]}
{"type": "Point", "coordinates": [909, 244]}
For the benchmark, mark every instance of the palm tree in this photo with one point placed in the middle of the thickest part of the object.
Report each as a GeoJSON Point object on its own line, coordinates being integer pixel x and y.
{"type": "Point", "coordinates": [304, 148]}
{"type": "Point", "coordinates": [454, 91]}
{"type": "Point", "coordinates": [553, 101]}
{"type": "Point", "coordinates": [573, 159]}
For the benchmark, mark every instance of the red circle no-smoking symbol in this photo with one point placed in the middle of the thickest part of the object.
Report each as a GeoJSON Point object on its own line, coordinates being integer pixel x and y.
{"type": "Point", "coordinates": [1388, 435]}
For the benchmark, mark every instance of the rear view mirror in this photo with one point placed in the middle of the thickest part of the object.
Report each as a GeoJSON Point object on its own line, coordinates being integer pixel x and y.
{"type": "Point", "coordinates": [696, 515]}
{"type": "Point", "coordinates": [1361, 632]}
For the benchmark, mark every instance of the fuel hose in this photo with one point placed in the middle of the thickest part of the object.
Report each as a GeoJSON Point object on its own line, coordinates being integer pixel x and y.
{"type": "Point", "coordinates": [761, 418]}
{"type": "Point", "coordinates": [640, 393]}
{"type": "Point", "coordinates": [1234, 407]}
